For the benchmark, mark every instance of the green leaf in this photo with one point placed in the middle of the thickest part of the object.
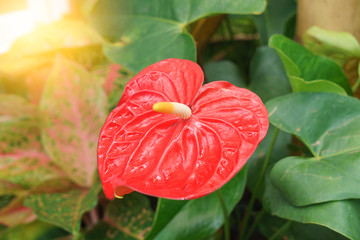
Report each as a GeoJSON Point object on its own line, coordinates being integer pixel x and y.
{"type": "Point", "coordinates": [145, 40]}
{"type": "Point", "coordinates": [340, 216]}
{"type": "Point", "coordinates": [144, 32]}
{"type": "Point", "coordinates": [340, 46]}
{"type": "Point", "coordinates": [127, 218]}
{"type": "Point", "coordinates": [224, 70]}
{"type": "Point", "coordinates": [19, 127]}
{"type": "Point", "coordinates": [74, 108]}
{"type": "Point", "coordinates": [198, 218]}
{"type": "Point", "coordinates": [300, 85]}
{"type": "Point", "coordinates": [33, 231]}
{"type": "Point", "coordinates": [268, 80]}
{"type": "Point", "coordinates": [23, 163]}
{"type": "Point", "coordinates": [274, 19]}
{"type": "Point", "coordinates": [64, 209]}
{"type": "Point", "coordinates": [269, 225]}
{"type": "Point", "coordinates": [301, 63]}
{"type": "Point", "coordinates": [267, 75]}
{"type": "Point", "coordinates": [328, 124]}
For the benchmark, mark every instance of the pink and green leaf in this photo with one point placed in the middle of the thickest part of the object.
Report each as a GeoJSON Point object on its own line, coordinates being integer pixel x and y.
{"type": "Point", "coordinates": [16, 213]}
{"type": "Point", "coordinates": [23, 163]}
{"type": "Point", "coordinates": [73, 106]}
{"type": "Point", "coordinates": [64, 209]}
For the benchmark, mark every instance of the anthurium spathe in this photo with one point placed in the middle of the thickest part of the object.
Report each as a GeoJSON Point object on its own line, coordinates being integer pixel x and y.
{"type": "Point", "coordinates": [173, 138]}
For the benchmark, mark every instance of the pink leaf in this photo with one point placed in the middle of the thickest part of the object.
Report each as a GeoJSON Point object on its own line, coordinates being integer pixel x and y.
{"type": "Point", "coordinates": [73, 106]}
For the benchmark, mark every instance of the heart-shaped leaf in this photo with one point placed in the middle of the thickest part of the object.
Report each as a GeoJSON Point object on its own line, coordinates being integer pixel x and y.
{"type": "Point", "coordinates": [340, 216]}
{"type": "Point", "coordinates": [328, 125]}
{"type": "Point", "coordinates": [198, 218]}
{"type": "Point", "coordinates": [274, 19]}
{"type": "Point", "coordinates": [187, 158]}
{"type": "Point", "coordinates": [224, 70]}
{"type": "Point", "coordinates": [270, 225]}
{"type": "Point", "coordinates": [73, 107]}
{"type": "Point", "coordinates": [130, 26]}
{"type": "Point", "coordinates": [64, 209]}
{"type": "Point", "coordinates": [315, 86]}
{"type": "Point", "coordinates": [268, 80]}
{"type": "Point", "coordinates": [301, 63]}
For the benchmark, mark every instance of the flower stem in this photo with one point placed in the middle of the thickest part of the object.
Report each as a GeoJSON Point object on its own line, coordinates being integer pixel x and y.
{"type": "Point", "coordinates": [356, 85]}
{"type": "Point", "coordinates": [258, 184]}
{"type": "Point", "coordinates": [281, 231]}
{"type": "Point", "coordinates": [255, 224]}
{"type": "Point", "coordinates": [225, 213]}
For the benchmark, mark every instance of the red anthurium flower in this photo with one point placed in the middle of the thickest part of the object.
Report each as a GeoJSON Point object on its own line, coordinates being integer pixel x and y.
{"type": "Point", "coordinates": [171, 137]}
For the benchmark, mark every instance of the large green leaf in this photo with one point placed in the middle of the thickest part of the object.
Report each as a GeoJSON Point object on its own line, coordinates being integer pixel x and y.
{"type": "Point", "coordinates": [74, 108]}
{"type": "Point", "coordinates": [64, 209]}
{"type": "Point", "coordinates": [300, 85]}
{"type": "Point", "coordinates": [143, 32]}
{"type": "Point", "coordinates": [301, 63]}
{"type": "Point", "coordinates": [224, 70]}
{"type": "Point", "coordinates": [270, 225]}
{"type": "Point", "coordinates": [267, 74]}
{"type": "Point", "coordinates": [146, 40]}
{"type": "Point", "coordinates": [23, 163]}
{"type": "Point", "coordinates": [198, 218]}
{"type": "Point", "coordinates": [274, 19]}
{"type": "Point", "coordinates": [340, 46]}
{"type": "Point", "coordinates": [268, 80]}
{"type": "Point", "coordinates": [127, 218]}
{"type": "Point", "coordinates": [340, 216]}
{"type": "Point", "coordinates": [328, 124]}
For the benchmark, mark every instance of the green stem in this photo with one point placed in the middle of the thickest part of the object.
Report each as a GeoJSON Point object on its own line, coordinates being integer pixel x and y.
{"type": "Point", "coordinates": [225, 213]}
{"type": "Point", "coordinates": [281, 231]}
{"type": "Point", "coordinates": [356, 85]}
{"type": "Point", "coordinates": [255, 224]}
{"type": "Point", "coordinates": [258, 184]}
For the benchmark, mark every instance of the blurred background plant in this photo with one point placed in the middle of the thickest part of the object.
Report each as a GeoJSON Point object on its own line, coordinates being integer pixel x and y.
{"type": "Point", "coordinates": [60, 80]}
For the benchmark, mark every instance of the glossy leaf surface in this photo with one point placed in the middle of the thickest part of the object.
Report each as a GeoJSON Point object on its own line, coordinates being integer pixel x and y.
{"type": "Point", "coordinates": [224, 70]}
{"type": "Point", "coordinates": [73, 107]}
{"type": "Point", "coordinates": [301, 63]}
{"type": "Point", "coordinates": [268, 80]}
{"type": "Point", "coordinates": [328, 125]}
{"type": "Point", "coordinates": [197, 218]}
{"type": "Point", "coordinates": [162, 155]}
{"type": "Point", "coordinates": [340, 216]}
{"type": "Point", "coordinates": [269, 225]}
{"type": "Point", "coordinates": [274, 19]}
{"type": "Point", "coordinates": [130, 27]}
{"type": "Point", "coordinates": [70, 206]}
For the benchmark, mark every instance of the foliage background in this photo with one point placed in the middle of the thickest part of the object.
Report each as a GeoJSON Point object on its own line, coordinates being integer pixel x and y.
{"type": "Point", "coordinates": [58, 84]}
